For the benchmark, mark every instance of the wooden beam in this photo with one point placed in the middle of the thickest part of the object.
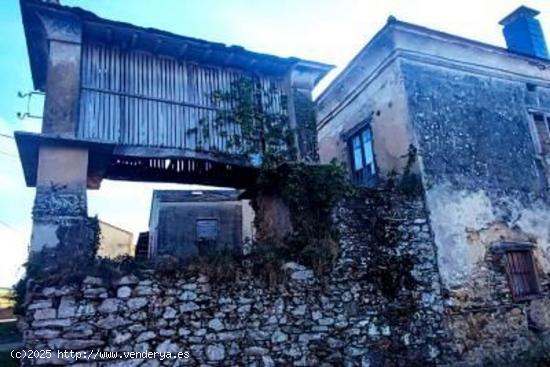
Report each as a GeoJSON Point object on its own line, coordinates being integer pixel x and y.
{"type": "Point", "coordinates": [169, 153]}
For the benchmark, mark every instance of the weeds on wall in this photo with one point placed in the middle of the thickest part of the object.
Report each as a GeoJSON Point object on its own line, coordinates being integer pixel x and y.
{"type": "Point", "coordinates": [255, 120]}
{"type": "Point", "coordinates": [73, 259]}
{"type": "Point", "coordinates": [311, 192]}
{"type": "Point", "coordinates": [409, 182]}
{"type": "Point", "coordinates": [304, 111]}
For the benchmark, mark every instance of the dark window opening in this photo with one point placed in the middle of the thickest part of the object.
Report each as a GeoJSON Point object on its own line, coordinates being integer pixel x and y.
{"type": "Point", "coordinates": [207, 230]}
{"type": "Point", "coordinates": [363, 168]}
{"type": "Point", "coordinates": [541, 133]}
{"type": "Point", "coordinates": [522, 275]}
{"type": "Point", "coordinates": [531, 87]}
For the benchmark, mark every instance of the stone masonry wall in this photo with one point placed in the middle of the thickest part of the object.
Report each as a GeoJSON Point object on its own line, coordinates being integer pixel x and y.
{"type": "Point", "coordinates": [380, 305]}
{"type": "Point", "coordinates": [482, 186]}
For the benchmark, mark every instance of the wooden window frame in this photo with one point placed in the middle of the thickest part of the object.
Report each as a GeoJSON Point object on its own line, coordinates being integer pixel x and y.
{"type": "Point", "coordinates": [529, 273]}
{"type": "Point", "coordinates": [535, 132]}
{"type": "Point", "coordinates": [363, 179]}
{"type": "Point", "coordinates": [540, 136]}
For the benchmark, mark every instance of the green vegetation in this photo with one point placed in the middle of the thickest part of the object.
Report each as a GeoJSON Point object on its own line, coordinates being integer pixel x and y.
{"type": "Point", "coordinates": [70, 261]}
{"type": "Point", "coordinates": [409, 183]}
{"type": "Point", "coordinates": [262, 119]}
{"type": "Point", "coordinates": [311, 192]}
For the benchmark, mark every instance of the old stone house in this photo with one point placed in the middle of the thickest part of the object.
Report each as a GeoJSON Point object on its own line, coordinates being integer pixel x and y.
{"type": "Point", "coordinates": [472, 121]}
{"type": "Point", "coordinates": [455, 275]}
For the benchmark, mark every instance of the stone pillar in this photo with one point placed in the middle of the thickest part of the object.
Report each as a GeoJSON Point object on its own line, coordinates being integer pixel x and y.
{"type": "Point", "coordinates": [272, 219]}
{"type": "Point", "coordinates": [62, 89]}
{"type": "Point", "coordinates": [301, 111]}
{"type": "Point", "coordinates": [60, 209]}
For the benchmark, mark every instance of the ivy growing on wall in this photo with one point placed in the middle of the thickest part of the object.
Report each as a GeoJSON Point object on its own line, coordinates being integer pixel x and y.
{"type": "Point", "coordinates": [261, 119]}
{"type": "Point", "coordinates": [69, 261]}
{"type": "Point", "coordinates": [311, 192]}
{"type": "Point", "coordinates": [307, 132]}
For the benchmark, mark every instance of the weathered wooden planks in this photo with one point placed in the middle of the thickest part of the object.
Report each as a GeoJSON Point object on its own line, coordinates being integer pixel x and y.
{"type": "Point", "coordinates": [139, 99]}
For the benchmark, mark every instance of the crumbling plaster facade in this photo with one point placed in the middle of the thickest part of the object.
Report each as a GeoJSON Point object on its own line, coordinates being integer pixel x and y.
{"type": "Point", "coordinates": [465, 107]}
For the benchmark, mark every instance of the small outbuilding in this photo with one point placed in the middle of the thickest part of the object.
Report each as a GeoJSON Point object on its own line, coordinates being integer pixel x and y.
{"type": "Point", "coordinates": [188, 222]}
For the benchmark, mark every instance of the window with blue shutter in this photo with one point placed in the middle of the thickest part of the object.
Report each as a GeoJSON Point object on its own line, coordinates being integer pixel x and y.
{"type": "Point", "coordinates": [363, 166]}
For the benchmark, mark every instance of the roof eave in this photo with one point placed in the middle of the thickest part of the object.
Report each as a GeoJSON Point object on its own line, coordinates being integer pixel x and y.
{"type": "Point", "coordinates": [44, 22]}
{"type": "Point", "coordinates": [393, 23]}
{"type": "Point", "coordinates": [38, 35]}
{"type": "Point", "coordinates": [37, 45]}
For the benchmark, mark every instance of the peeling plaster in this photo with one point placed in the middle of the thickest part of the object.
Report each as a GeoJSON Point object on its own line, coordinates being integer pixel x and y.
{"type": "Point", "coordinates": [466, 223]}
{"type": "Point", "coordinates": [453, 215]}
{"type": "Point", "coordinates": [535, 222]}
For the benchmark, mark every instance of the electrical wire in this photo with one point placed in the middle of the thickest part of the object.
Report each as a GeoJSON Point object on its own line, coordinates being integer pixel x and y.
{"type": "Point", "coordinates": [10, 227]}
{"type": "Point", "coordinates": [7, 136]}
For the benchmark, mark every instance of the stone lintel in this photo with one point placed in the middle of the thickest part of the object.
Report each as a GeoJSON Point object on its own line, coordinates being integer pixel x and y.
{"type": "Point", "coordinates": [501, 247]}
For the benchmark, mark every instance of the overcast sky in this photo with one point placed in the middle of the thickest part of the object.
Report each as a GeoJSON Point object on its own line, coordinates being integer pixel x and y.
{"type": "Point", "coordinates": [330, 31]}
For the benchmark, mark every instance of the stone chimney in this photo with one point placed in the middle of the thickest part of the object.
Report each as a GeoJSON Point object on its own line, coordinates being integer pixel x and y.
{"type": "Point", "coordinates": [523, 33]}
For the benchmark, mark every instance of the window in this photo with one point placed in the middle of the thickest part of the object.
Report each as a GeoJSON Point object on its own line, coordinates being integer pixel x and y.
{"type": "Point", "coordinates": [207, 230]}
{"type": "Point", "coordinates": [522, 276]}
{"type": "Point", "coordinates": [520, 269]}
{"type": "Point", "coordinates": [362, 157]}
{"type": "Point", "coordinates": [541, 132]}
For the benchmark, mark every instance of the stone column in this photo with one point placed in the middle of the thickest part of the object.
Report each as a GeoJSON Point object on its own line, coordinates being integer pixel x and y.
{"type": "Point", "coordinates": [62, 89]}
{"type": "Point", "coordinates": [301, 111]}
{"type": "Point", "coordinates": [60, 210]}
{"type": "Point", "coordinates": [272, 219]}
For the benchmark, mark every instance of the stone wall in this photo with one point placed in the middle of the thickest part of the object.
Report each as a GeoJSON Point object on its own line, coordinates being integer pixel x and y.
{"type": "Point", "coordinates": [380, 304]}
{"type": "Point", "coordinates": [382, 104]}
{"type": "Point", "coordinates": [482, 186]}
